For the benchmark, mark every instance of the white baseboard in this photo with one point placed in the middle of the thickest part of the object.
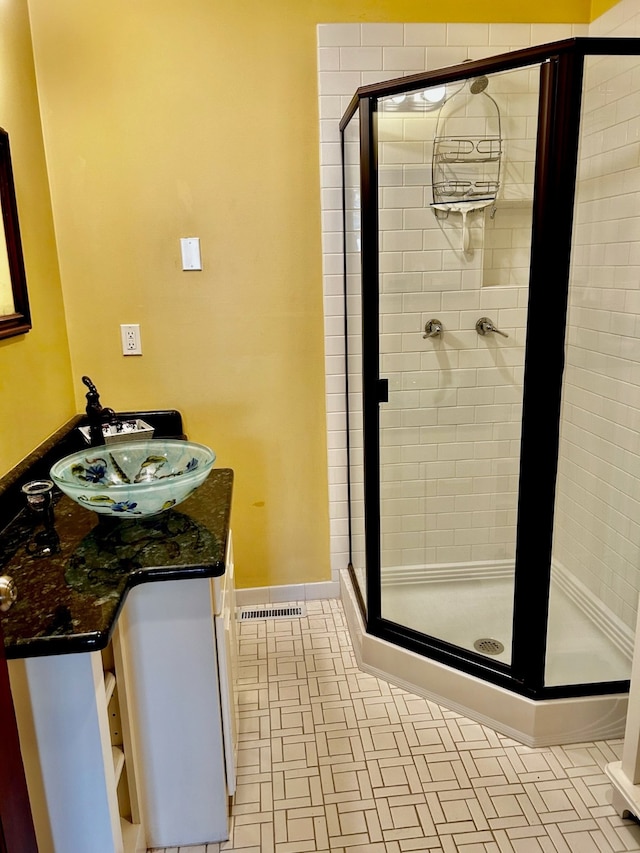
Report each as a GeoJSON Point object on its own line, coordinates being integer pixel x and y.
{"type": "Point", "coordinates": [619, 634]}
{"type": "Point", "coordinates": [287, 592]}
{"type": "Point", "coordinates": [447, 572]}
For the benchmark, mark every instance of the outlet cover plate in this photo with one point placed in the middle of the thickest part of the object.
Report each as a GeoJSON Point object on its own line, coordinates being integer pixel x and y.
{"type": "Point", "coordinates": [131, 342]}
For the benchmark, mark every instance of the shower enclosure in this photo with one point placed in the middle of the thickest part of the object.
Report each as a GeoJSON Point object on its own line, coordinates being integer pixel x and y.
{"type": "Point", "coordinates": [492, 308]}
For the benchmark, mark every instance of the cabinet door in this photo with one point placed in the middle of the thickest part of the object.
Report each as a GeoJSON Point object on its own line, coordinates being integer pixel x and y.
{"type": "Point", "coordinates": [16, 826]}
{"type": "Point", "coordinates": [174, 702]}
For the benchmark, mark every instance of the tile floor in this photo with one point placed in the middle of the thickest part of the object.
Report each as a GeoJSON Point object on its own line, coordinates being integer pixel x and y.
{"type": "Point", "coordinates": [333, 759]}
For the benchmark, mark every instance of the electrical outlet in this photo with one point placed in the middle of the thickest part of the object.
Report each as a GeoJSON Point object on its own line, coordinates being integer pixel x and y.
{"type": "Point", "coordinates": [131, 343]}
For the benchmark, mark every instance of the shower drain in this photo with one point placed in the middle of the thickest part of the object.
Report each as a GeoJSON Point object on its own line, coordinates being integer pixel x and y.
{"type": "Point", "coordinates": [488, 646]}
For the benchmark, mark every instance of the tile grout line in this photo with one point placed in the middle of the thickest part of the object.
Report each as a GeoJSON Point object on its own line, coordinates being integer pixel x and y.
{"type": "Point", "coordinates": [334, 759]}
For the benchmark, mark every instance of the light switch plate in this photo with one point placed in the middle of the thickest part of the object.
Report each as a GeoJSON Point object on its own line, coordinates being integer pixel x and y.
{"type": "Point", "coordinates": [190, 248]}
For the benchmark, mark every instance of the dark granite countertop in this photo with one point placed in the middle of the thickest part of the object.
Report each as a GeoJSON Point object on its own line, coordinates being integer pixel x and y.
{"type": "Point", "coordinates": [69, 600]}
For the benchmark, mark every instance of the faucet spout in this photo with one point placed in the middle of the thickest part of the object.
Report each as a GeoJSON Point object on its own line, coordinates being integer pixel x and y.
{"type": "Point", "coordinates": [97, 414]}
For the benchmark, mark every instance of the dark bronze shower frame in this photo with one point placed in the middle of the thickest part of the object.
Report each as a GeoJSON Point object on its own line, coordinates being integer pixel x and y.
{"type": "Point", "coordinates": [561, 72]}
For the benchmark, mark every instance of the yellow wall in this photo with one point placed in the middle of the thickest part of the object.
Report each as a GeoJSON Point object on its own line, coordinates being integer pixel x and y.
{"type": "Point", "coordinates": [35, 380]}
{"type": "Point", "coordinates": [599, 7]}
{"type": "Point", "coordinates": [199, 118]}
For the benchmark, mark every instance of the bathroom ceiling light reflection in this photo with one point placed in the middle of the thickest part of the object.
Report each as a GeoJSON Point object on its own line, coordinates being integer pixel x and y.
{"type": "Point", "coordinates": [425, 100]}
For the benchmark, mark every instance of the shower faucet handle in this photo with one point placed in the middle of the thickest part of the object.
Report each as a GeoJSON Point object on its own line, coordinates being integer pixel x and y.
{"type": "Point", "coordinates": [485, 325]}
{"type": "Point", "coordinates": [432, 329]}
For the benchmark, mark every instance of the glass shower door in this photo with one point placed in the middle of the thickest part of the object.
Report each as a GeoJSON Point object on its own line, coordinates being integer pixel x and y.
{"type": "Point", "coordinates": [596, 538]}
{"type": "Point", "coordinates": [453, 314]}
{"type": "Point", "coordinates": [353, 345]}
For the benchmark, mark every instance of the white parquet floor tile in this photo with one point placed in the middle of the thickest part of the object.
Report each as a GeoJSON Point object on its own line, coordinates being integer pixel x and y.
{"type": "Point", "coordinates": [333, 760]}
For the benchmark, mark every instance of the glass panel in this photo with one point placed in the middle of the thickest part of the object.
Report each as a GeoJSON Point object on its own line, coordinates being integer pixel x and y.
{"type": "Point", "coordinates": [596, 545]}
{"type": "Point", "coordinates": [453, 255]}
{"type": "Point", "coordinates": [353, 290]}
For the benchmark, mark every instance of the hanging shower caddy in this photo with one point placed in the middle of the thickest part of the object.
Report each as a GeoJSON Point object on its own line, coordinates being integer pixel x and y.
{"type": "Point", "coordinates": [466, 168]}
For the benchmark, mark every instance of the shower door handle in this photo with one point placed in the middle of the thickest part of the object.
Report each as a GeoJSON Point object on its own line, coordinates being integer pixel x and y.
{"type": "Point", "coordinates": [485, 325]}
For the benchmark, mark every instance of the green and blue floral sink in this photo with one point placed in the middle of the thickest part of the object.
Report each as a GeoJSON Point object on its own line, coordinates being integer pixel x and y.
{"type": "Point", "coordinates": [136, 478]}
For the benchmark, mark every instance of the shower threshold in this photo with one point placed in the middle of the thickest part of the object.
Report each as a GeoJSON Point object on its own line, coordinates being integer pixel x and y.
{"type": "Point", "coordinates": [547, 722]}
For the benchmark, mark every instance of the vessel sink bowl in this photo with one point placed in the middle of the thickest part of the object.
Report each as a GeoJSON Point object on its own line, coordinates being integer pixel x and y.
{"type": "Point", "coordinates": [136, 478]}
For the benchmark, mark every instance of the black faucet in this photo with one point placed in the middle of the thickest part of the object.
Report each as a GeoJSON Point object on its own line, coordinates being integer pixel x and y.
{"type": "Point", "coordinates": [97, 414]}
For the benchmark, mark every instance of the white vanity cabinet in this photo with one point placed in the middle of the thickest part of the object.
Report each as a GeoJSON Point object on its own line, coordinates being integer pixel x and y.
{"type": "Point", "coordinates": [134, 747]}
{"type": "Point", "coordinates": [78, 751]}
{"type": "Point", "coordinates": [130, 746]}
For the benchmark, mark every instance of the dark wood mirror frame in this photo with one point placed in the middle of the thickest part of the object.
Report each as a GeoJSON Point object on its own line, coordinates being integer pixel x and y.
{"type": "Point", "coordinates": [19, 321]}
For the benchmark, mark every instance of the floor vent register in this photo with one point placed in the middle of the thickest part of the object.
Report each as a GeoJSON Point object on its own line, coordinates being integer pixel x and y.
{"type": "Point", "coordinates": [248, 614]}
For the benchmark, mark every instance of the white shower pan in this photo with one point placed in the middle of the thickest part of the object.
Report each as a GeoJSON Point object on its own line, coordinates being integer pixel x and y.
{"type": "Point", "coordinates": [540, 723]}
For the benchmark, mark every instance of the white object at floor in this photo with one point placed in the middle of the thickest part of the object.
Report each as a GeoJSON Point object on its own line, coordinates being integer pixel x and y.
{"type": "Point", "coordinates": [625, 774]}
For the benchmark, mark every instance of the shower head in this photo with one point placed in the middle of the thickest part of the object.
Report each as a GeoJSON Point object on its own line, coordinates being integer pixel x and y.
{"type": "Point", "coordinates": [478, 85]}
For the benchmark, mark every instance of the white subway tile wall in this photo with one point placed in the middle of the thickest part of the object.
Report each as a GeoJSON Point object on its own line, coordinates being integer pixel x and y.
{"type": "Point", "coordinates": [597, 535]}
{"type": "Point", "coordinates": [456, 397]}
{"type": "Point", "coordinates": [458, 423]}
{"type": "Point", "coordinates": [451, 440]}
